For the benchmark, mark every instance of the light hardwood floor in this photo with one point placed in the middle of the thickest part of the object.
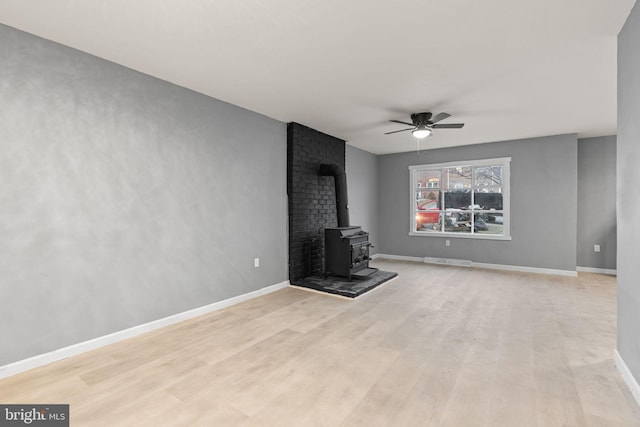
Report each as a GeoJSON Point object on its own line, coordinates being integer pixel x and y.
{"type": "Point", "coordinates": [437, 346]}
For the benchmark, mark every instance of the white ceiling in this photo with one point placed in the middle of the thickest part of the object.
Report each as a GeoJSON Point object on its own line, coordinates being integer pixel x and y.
{"type": "Point", "coordinates": [507, 68]}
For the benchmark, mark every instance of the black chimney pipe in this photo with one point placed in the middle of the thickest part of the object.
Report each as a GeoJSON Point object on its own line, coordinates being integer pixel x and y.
{"type": "Point", "coordinates": [340, 178]}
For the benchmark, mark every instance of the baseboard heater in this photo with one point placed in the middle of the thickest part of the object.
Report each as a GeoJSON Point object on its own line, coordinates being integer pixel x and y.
{"type": "Point", "coordinates": [447, 261]}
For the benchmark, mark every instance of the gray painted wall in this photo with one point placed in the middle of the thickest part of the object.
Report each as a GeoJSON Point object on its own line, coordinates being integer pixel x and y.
{"type": "Point", "coordinates": [362, 183]}
{"type": "Point", "coordinates": [628, 175]}
{"type": "Point", "coordinates": [597, 202]}
{"type": "Point", "coordinates": [543, 205]}
{"type": "Point", "coordinates": [125, 199]}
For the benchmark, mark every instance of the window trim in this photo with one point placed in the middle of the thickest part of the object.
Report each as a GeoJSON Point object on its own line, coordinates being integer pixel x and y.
{"type": "Point", "coordinates": [505, 162]}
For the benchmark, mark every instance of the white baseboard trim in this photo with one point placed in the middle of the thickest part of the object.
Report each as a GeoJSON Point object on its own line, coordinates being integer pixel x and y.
{"type": "Point", "coordinates": [467, 263]}
{"type": "Point", "coordinates": [627, 376]}
{"type": "Point", "coordinates": [525, 269]}
{"type": "Point", "coordinates": [92, 344]}
{"type": "Point", "coordinates": [608, 271]}
{"type": "Point", "coordinates": [447, 261]}
{"type": "Point", "coordinates": [399, 257]}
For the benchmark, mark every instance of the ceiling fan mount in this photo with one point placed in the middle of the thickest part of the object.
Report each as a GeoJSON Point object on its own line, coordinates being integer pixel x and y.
{"type": "Point", "coordinates": [421, 118]}
{"type": "Point", "coordinates": [424, 123]}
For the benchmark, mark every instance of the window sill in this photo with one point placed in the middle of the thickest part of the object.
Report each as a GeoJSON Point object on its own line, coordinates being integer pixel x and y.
{"type": "Point", "coordinates": [459, 236]}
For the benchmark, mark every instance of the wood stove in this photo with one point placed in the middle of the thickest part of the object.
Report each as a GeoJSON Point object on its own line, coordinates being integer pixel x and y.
{"type": "Point", "coordinates": [346, 250]}
{"type": "Point", "coordinates": [346, 247]}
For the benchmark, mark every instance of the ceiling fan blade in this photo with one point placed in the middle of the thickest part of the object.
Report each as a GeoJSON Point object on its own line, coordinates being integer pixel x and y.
{"type": "Point", "coordinates": [401, 130]}
{"type": "Point", "coordinates": [438, 117]}
{"type": "Point", "coordinates": [449, 126]}
{"type": "Point", "coordinates": [402, 123]}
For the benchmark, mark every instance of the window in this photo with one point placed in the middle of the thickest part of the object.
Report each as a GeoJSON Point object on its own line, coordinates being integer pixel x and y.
{"type": "Point", "coordinates": [462, 199]}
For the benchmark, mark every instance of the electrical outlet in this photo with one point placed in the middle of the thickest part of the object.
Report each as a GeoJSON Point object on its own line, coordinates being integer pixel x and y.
{"type": "Point", "coordinates": [596, 248]}
{"type": "Point", "coordinates": [447, 242]}
{"type": "Point", "coordinates": [256, 262]}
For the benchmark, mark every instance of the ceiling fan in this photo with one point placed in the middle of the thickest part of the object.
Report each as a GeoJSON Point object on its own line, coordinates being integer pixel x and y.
{"type": "Point", "coordinates": [424, 123]}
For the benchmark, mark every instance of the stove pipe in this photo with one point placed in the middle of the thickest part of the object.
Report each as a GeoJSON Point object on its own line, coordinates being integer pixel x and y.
{"type": "Point", "coordinates": [340, 178]}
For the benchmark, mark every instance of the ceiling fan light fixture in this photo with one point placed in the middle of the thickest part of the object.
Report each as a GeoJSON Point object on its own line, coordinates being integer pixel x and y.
{"type": "Point", "coordinates": [421, 132]}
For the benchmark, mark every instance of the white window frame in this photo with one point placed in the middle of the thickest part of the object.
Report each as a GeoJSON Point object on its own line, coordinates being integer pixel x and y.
{"type": "Point", "coordinates": [505, 162]}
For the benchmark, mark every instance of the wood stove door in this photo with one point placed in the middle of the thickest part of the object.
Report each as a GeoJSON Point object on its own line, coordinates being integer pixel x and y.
{"type": "Point", "coordinates": [359, 255]}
